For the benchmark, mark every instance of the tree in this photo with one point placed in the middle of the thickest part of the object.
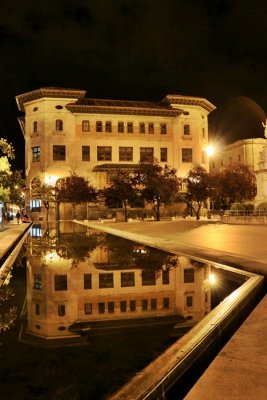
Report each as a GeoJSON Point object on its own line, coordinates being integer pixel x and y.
{"type": "Point", "coordinates": [198, 189]}
{"type": "Point", "coordinates": [75, 190]}
{"type": "Point", "coordinates": [235, 183]}
{"type": "Point", "coordinates": [7, 152]}
{"type": "Point", "coordinates": [158, 185]}
{"type": "Point", "coordinates": [43, 192]}
{"type": "Point", "coordinates": [121, 190]}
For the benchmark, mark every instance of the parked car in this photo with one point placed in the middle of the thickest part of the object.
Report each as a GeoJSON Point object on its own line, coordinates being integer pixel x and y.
{"type": "Point", "coordinates": [25, 218]}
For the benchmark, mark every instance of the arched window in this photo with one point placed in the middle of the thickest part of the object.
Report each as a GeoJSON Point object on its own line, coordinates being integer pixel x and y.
{"type": "Point", "coordinates": [59, 125]}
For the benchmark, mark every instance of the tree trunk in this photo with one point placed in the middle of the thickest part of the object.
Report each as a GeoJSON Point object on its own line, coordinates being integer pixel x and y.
{"type": "Point", "coordinates": [125, 210]}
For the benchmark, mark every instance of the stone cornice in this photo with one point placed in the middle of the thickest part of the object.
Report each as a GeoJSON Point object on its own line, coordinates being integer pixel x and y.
{"type": "Point", "coordinates": [171, 99]}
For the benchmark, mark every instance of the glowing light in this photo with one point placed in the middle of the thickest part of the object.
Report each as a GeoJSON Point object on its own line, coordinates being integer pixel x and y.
{"type": "Point", "coordinates": [212, 279]}
{"type": "Point", "coordinates": [50, 180]}
{"type": "Point", "coordinates": [210, 150]}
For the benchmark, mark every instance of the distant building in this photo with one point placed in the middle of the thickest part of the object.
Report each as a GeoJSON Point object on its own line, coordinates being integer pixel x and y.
{"type": "Point", "coordinates": [66, 131]}
{"type": "Point", "coordinates": [251, 152]}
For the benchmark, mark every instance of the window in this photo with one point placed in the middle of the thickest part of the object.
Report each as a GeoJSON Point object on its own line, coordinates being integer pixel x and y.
{"type": "Point", "coordinates": [106, 280]}
{"type": "Point", "coordinates": [165, 277]}
{"type": "Point", "coordinates": [111, 307]}
{"type": "Point", "coordinates": [103, 153]}
{"type": "Point", "coordinates": [101, 308]}
{"type": "Point", "coordinates": [146, 154]}
{"type": "Point", "coordinates": [85, 126]}
{"type": "Point", "coordinates": [150, 127]}
{"type": "Point", "coordinates": [37, 309]}
{"type": "Point", "coordinates": [99, 126]}
{"type": "Point", "coordinates": [61, 310]}
{"type": "Point", "coordinates": [59, 153]}
{"type": "Point", "coordinates": [189, 275]}
{"type": "Point", "coordinates": [35, 205]}
{"type": "Point", "coordinates": [88, 308]}
{"type": "Point", "coordinates": [153, 304]}
{"type": "Point", "coordinates": [187, 155]}
{"type": "Point", "coordinates": [59, 125]}
{"type": "Point", "coordinates": [144, 304]}
{"type": "Point", "coordinates": [142, 127]}
{"type": "Point", "coordinates": [129, 127]}
{"type": "Point", "coordinates": [37, 284]}
{"type": "Point", "coordinates": [148, 278]}
{"type": "Point", "coordinates": [108, 126]}
{"type": "Point", "coordinates": [163, 154]}
{"type": "Point", "coordinates": [87, 281]}
{"type": "Point", "coordinates": [166, 303]}
{"type": "Point", "coordinates": [61, 282]}
{"type": "Point", "coordinates": [127, 279]}
{"type": "Point", "coordinates": [123, 306]}
{"type": "Point", "coordinates": [189, 301]}
{"type": "Point", "coordinates": [35, 126]}
{"type": "Point", "coordinates": [36, 151]}
{"type": "Point", "coordinates": [163, 129]}
{"type": "Point", "coordinates": [203, 133]}
{"type": "Point", "coordinates": [120, 127]}
{"type": "Point", "coordinates": [85, 153]}
{"type": "Point", "coordinates": [204, 157]}
{"type": "Point", "coordinates": [125, 153]}
{"type": "Point", "coordinates": [132, 305]}
{"type": "Point", "coordinates": [186, 129]}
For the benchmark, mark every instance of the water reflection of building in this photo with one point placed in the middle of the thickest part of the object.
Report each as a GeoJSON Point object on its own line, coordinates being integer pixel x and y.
{"type": "Point", "coordinates": [102, 287]}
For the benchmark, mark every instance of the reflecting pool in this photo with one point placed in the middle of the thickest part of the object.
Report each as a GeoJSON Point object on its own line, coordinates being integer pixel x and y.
{"type": "Point", "coordinates": [84, 311]}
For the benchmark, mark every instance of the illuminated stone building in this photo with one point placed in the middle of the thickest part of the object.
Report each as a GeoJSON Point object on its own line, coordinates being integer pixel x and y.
{"type": "Point", "coordinates": [66, 131]}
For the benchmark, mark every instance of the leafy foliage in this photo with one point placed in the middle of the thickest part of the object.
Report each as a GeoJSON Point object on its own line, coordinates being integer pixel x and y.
{"type": "Point", "coordinates": [44, 192]}
{"type": "Point", "coordinates": [158, 185]}
{"type": "Point", "coordinates": [235, 184]}
{"type": "Point", "coordinates": [198, 189]}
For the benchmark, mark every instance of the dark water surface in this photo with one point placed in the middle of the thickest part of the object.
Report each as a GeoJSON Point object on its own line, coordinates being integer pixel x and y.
{"type": "Point", "coordinates": [83, 311]}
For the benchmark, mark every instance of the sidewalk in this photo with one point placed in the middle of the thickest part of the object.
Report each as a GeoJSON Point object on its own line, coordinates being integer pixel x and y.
{"type": "Point", "coordinates": [9, 234]}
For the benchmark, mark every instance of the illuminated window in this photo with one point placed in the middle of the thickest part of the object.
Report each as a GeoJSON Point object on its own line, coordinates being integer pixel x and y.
{"type": "Point", "coordinates": [87, 281]}
{"type": "Point", "coordinates": [59, 125]}
{"type": "Point", "coordinates": [36, 152]}
{"type": "Point", "coordinates": [186, 129]}
{"type": "Point", "coordinates": [127, 279]}
{"type": "Point", "coordinates": [59, 153]}
{"type": "Point", "coordinates": [106, 281]}
{"type": "Point", "coordinates": [120, 127]}
{"type": "Point", "coordinates": [88, 308]}
{"type": "Point", "coordinates": [146, 153]}
{"type": "Point", "coordinates": [189, 275]}
{"type": "Point", "coordinates": [108, 126]}
{"type": "Point", "coordinates": [99, 127]}
{"type": "Point", "coordinates": [187, 155]}
{"type": "Point", "coordinates": [163, 129]}
{"type": "Point", "coordinates": [150, 127]}
{"type": "Point", "coordinates": [103, 153]}
{"type": "Point", "coordinates": [85, 153]}
{"type": "Point", "coordinates": [142, 127]}
{"type": "Point", "coordinates": [129, 127]}
{"type": "Point", "coordinates": [85, 126]}
{"type": "Point", "coordinates": [61, 282]}
{"type": "Point", "coordinates": [125, 153]}
{"type": "Point", "coordinates": [163, 154]}
{"type": "Point", "coordinates": [37, 284]}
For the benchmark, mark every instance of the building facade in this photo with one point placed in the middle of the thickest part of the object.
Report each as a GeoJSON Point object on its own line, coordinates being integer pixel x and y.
{"type": "Point", "coordinates": [66, 131]}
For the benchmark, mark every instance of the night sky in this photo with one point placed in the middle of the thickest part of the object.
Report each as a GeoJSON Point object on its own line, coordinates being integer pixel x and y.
{"type": "Point", "coordinates": [138, 50]}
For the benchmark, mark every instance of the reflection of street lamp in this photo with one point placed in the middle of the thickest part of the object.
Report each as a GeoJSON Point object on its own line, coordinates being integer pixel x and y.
{"type": "Point", "coordinates": [212, 279]}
